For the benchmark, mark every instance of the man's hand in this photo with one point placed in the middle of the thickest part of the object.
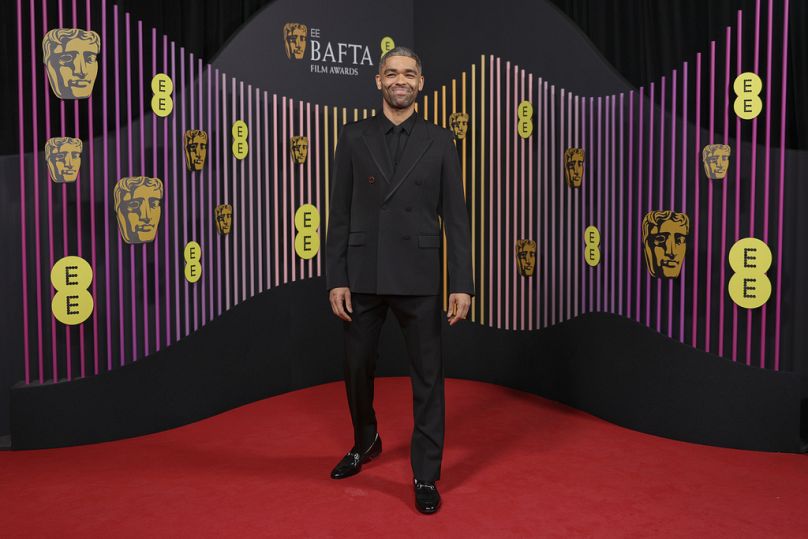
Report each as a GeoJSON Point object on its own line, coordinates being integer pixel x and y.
{"type": "Point", "coordinates": [459, 304]}
{"type": "Point", "coordinates": [340, 302]}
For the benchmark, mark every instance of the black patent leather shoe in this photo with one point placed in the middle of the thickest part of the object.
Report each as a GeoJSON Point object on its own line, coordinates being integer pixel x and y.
{"type": "Point", "coordinates": [427, 497]}
{"type": "Point", "coordinates": [351, 464]}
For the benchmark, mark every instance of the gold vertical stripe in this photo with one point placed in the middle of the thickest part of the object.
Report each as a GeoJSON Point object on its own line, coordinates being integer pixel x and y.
{"type": "Point", "coordinates": [373, 112]}
{"type": "Point", "coordinates": [364, 114]}
{"type": "Point", "coordinates": [435, 107]}
{"type": "Point", "coordinates": [483, 238]}
{"type": "Point", "coordinates": [470, 131]}
{"type": "Point", "coordinates": [426, 107]}
{"type": "Point", "coordinates": [326, 150]}
{"type": "Point", "coordinates": [356, 115]}
{"type": "Point", "coordinates": [344, 115]}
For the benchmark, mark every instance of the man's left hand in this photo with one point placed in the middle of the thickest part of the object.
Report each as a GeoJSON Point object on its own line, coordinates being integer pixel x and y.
{"type": "Point", "coordinates": [459, 304]}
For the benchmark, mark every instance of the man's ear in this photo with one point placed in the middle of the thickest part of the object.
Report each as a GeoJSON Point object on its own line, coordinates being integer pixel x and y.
{"type": "Point", "coordinates": [421, 84]}
{"type": "Point", "coordinates": [378, 81]}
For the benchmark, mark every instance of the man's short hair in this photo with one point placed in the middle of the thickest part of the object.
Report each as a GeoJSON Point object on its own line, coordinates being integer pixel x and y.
{"type": "Point", "coordinates": [401, 51]}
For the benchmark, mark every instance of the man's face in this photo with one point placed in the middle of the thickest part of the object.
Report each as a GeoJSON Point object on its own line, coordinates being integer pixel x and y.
{"type": "Point", "coordinates": [300, 147]}
{"type": "Point", "coordinates": [64, 162]}
{"type": "Point", "coordinates": [139, 213]}
{"type": "Point", "coordinates": [224, 218]}
{"type": "Point", "coordinates": [574, 167]}
{"type": "Point", "coordinates": [526, 257]}
{"type": "Point", "coordinates": [716, 161]}
{"type": "Point", "coordinates": [459, 124]}
{"type": "Point", "coordinates": [196, 151]}
{"type": "Point", "coordinates": [295, 40]}
{"type": "Point", "coordinates": [666, 244]}
{"type": "Point", "coordinates": [72, 69]}
{"type": "Point", "coordinates": [400, 81]}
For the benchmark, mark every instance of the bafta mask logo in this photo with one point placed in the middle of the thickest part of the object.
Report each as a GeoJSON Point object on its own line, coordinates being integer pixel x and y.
{"type": "Point", "coordinates": [459, 124]}
{"type": "Point", "coordinates": [574, 166]}
{"type": "Point", "coordinates": [63, 155]}
{"type": "Point", "coordinates": [196, 149]}
{"type": "Point", "coordinates": [716, 160]}
{"type": "Point", "coordinates": [664, 238]}
{"type": "Point", "coordinates": [138, 205]}
{"type": "Point", "coordinates": [299, 146]}
{"type": "Point", "coordinates": [294, 39]}
{"type": "Point", "coordinates": [224, 218]}
{"type": "Point", "coordinates": [526, 257]}
{"type": "Point", "coordinates": [71, 58]}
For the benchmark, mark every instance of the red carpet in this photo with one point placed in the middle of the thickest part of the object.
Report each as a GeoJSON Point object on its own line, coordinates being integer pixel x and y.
{"type": "Point", "coordinates": [515, 465]}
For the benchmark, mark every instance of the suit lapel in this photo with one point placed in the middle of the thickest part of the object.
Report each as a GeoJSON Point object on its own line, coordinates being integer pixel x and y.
{"type": "Point", "coordinates": [374, 140]}
{"type": "Point", "coordinates": [416, 147]}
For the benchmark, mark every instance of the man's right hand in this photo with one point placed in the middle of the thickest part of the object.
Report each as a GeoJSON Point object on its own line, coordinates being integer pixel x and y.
{"type": "Point", "coordinates": [340, 302]}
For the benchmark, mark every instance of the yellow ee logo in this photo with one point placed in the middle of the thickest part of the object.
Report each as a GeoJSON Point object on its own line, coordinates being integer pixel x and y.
{"type": "Point", "coordinates": [307, 241]}
{"type": "Point", "coordinates": [750, 259]}
{"type": "Point", "coordinates": [387, 44]}
{"type": "Point", "coordinates": [747, 87]}
{"type": "Point", "coordinates": [524, 124]}
{"type": "Point", "coordinates": [192, 255]}
{"type": "Point", "coordinates": [162, 87]}
{"type": "Point", "coordinates": [240, 134]}
{"type": "Point", "coordinates": [72, 304]}
{"type": "Point", "coordinates": [592, 242]}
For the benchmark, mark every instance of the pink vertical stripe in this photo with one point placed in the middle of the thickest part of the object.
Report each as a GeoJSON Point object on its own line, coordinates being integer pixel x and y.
{"type": "Point", "coordinates": [737, 159]}
{"type": "Point", "coordinates": [276, 248]}
{"type": "Point", "coordinates": [613, 236]}
{"type": "Point", "coordinates": [694, 221]}
{"type": "Point", "coordinates": [156, 173]}
{"type": "Point", "coordinates": [753, 178]}
{"type": "Point", "coordinates": [683, 274]}
{"type": "Point", "coordinates": [267, 259]}
{"type": "Point", "coordinates": [531, 224]}
{"type": "Point", "coordinates": [491, 238]}
{"type": "Point", "coordinates": [767, 169]}
{"type": "Point", "coordinates": [781, 186]}
{"type": "Point", "coordinates": [723, 252]}
{"type": "Point", "coordinates": [166, 226]}
{"type": "Point", "coordinates": [23, 226]}
{"type": "Point", "coordinates": [524, 282]}
{"type": "Point", "coordinates": [633, 224]}
{"type": "Point", "coordinates": [620, 228]}
{"type": "Point", "coordinates": [498, 236]}
{"type": "Point", "coordinates": [284, 183]}
{"type": "Point", "coordinates": [640, 181]}
{"type": "Point", "coordinates": [604, 191]}
{"type": "Point", "coordinates": [250, 200]}
{"type": "Point", "coordinates": [553, 201]}
{"type": "Point", "coordinates": [310, 158]}
{"type": "Point", "coordinates": [35, 143]}
{"type": "Point", "coordinates": [185, 181]}
{"type": "Point", "coordinates": [562, 192]}
{"type": "Point", "coordinates": [259, 137]}
{"type": "Point", "coordinates": [659, 281]}
{"type": "Point", "coordinates": [672, 201]}
{"type": "Point", "coordinates": [213, 131]}
{"type": "Point", "coordinates": [221, 146]}
{"type": "Point", "coordinates": [121, 340]}
{"type": "Point", "coordinates": [649, 179]}
{"type": "Point", "coordinates": [107, 181]}
{"type": "Point", "coordinates": [227, 160]}
{"type": "Point", "coordinates": [192, 290]}
{"type": "Point", "coordinates": [131, 172]}
{"type": "Point", "coordinates": [505, 248]}
{"type": "Point", "coordinates": [176, 141]}
{"type": "Point", "coordinates": [319, 202]}
{"type": "Point", "coordinates": [708, 273]}
{"type": "Point", "coordinates": [143, 171]}
{"type": "Point", "coordinates": [592, 189]}
{"type": "Point", "coordinates": [599, 189]}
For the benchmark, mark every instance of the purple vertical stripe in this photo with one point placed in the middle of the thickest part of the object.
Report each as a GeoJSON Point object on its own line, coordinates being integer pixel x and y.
{"type": "Point", "coordinates": [562, 192]}
{"type": "Point", "coordinates": [131, 172]}
{"type": "Point", "coordinates": [267, 258]}
{"type": "Point", "coordinates": [185, 182]}
{"type": "Point", "coordinates": [672, 202]}
{"type": "Point", "coordinates": [221, 146]}
{"type": "Point", "coordinates": [524, 282]}
{"type": "Point", "coordinates": [604, 191]}
{"type": "Point", "coordinates": [259, 137]}
{"type": "Point", "coordinates": [166, 226]}
{"type": "Point", "coordinates": [640, 181]}
{"type": "Point", "coordinates": [599, 190]}
{"type": "Point", "coordinates": [192, 289]}
{"type": "Point", "coordinates": [121, 341]}
{"type": "Point", "coordinates": [205, 247]}
{"type": "Point", "coordinates": [581, 199]}
{"type": "Point", "coordinates": [276, 248]}
{"type": "Point", "coordinates": [590, 270]}
{"type": "Point", "coordinates": [23, 227]}
{"type": "Point", "coordinates": [154, 124]}
{"type": "Point", "coordinates": [781, 186]}
{"type": "Point", "coordinates": [284, 183]}
{"type": "Point", "coordinates": [723, 251]}
{"type": "Point", "coordinates": [553, 201]}
{"type": "Point", "coordinates": [620, 228]}
{"type": "Point", "coordinates": [505, 267]}
{"type": "Point", "coordinates": [694, 225]}
{"type": "Point", "coordinates": [207, 210]}
{"type": "Point", "coordinates": [633, 225]}
{"type": "Point", "coordinates": [176, 140]}
{"type": "Point", "coordinates": [649, 179]}
{"type": "Point", "coordinates": [35, 143]}
{"type": "Point", "coordinates": [767, 169]}
{"type": "Point", "coordinates": [144, 256]}
{"type": "Point", "coordinates": [708, 273]}
{"type": "Point", "coordinates": [737, 159]}
{"type": "Point", "coordinates": [683, 275]}
{"type": "Point", "coordinates": [613, 236]}
{"type": "Point", "coordinates": [250, 200]}
{"type": "Point", "coordinates": [308, 168]}
{"type": "Point", "coordinates": [498, 236]}
{"type": "Point", "coordinates": [491, 238]}
{"type": "Point", "coordinates": [531, 225]}
{"type": "Point", "coordinates": [318, 200]}
{"type": "Point", "coordinates": [107, 182]}
{"type": "Point", "coordinates": [753, 178]}
{"type": "Point", "coordinates": [659, 281]}
{"type": "Point", "coordinates": [227, 159]}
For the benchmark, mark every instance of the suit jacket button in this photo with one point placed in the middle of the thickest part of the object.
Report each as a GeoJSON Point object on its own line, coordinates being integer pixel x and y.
{"type": "Point", "coordinates": [371, 179]}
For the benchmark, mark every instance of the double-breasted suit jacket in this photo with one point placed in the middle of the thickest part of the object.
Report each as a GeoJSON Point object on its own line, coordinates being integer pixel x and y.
{"type": "Point", "coordinates": [384, 234]}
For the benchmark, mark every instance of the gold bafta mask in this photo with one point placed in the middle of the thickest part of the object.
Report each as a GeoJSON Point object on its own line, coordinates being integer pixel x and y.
{"type": "Point", "coordinates": [138, 205]}
{"type": "Point", "coordinates": [716, 160]}
{"type": "Point", "coordinates": [526, 257]}
{"type": "Point", "coordinates": [196, 149]}
{"type": "Point", "coordinates": [574, 166]}
{"type": "Point", "coordinates": [294, 39]}
{"type": "Point", "coordinates": [71, 58]}
{"type": "Point", "coordinates": [224, 218]}
{"type": "Point", "coordinates": [459, 124]}
{"type": "Point", "coordinates": [63, 155]}
{"type": "Point", "coordinates": [664, 238]}
{"type": "Point", "coordinates": [299, 146]}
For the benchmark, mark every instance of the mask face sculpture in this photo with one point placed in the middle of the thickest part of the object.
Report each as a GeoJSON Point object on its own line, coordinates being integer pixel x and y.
{"type": "Point", "coordinates": [224, 219]}
{"type": "Point", "coordinates": [574, 166]}
{"type": "Point", "coordinates": [299, 146]}
{"type": "Point", "coordinates": [138, 205]}
{"type": "Point", "coordinates": [459, 124]}
{"type": "Point", "coordinates": [63, 155]}
{"type": "Point", "coordinates": [526, 257]}
{"type": "Point", "coordinates": [196, 149]}
{"type": "Point", "coordinates": [716, 160]}
{"type": "Point", "coordinates": [71, 58]}
{"type": "Point", "coordinates": [664, 238]}
{"type": "Point", "coordinates": [294, 39]}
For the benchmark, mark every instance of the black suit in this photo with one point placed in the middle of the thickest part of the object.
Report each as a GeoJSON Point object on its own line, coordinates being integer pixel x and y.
{"type": "Point", "coordinates": [383, 243]}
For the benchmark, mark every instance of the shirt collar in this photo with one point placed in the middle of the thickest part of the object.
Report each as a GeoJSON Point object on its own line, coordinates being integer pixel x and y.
{"type": "Point", "coordinates": [406, 125]}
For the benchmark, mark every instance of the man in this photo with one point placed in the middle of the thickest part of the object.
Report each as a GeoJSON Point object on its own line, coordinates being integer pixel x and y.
{"type": "Point", "coordinates": [394, 175]}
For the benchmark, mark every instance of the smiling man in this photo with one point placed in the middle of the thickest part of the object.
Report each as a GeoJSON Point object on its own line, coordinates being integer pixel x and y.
{"type": "Point", "coordinates": [395, 176]}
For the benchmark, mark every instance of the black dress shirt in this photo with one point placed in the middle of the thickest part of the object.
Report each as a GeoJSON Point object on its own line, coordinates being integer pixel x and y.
{"type": "Point", "coordinates": [396, 137]}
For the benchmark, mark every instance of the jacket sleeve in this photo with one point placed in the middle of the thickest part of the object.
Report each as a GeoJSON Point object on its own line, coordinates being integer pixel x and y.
{"type": "Point", "coordinates": [456, 222]}
{"type": "Point", "coordinates": [339, 217]}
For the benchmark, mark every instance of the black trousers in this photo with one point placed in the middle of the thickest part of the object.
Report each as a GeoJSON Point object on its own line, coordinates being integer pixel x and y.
{"type": "Point", "coordinates": [420, 320]}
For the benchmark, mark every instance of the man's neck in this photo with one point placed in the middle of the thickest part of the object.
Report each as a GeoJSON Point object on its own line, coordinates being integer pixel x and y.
{"type": "Point", "coordinates": [397, 116]}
